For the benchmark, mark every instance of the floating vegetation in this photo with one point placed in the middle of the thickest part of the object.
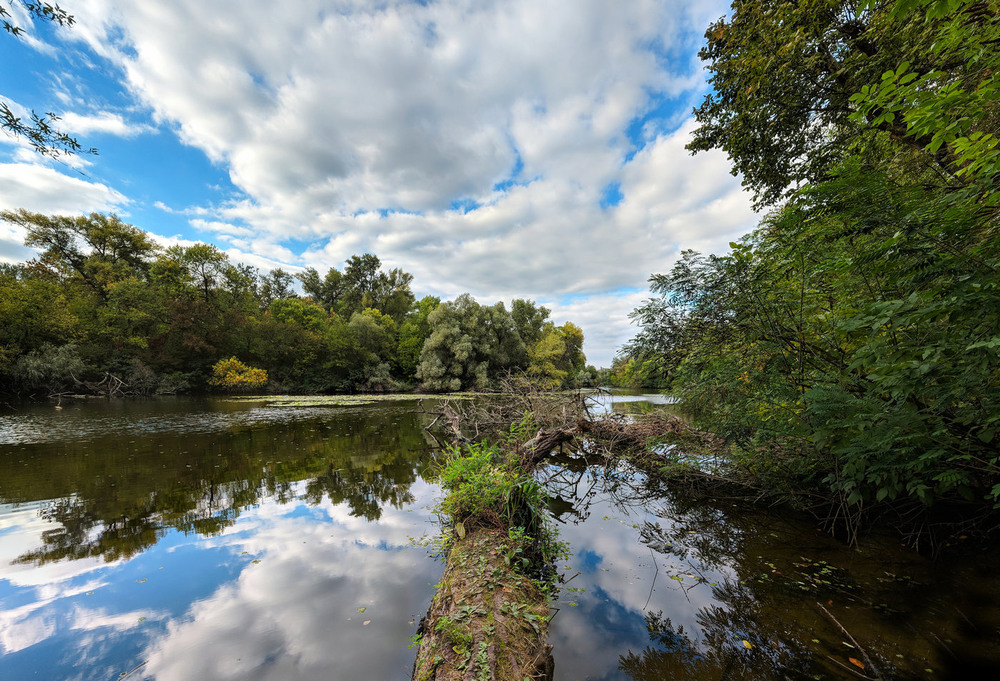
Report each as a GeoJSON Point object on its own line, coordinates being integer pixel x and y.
{"type": "Point", "coordinates": [345, 400]}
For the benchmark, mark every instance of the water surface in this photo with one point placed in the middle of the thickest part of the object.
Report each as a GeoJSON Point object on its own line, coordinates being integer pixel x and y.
{"type": "Point", "coordinates": [188, 539]}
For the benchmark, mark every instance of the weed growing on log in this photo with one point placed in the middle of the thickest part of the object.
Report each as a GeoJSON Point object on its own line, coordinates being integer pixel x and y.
{"type": "Point", "coordinates": [488, 488]}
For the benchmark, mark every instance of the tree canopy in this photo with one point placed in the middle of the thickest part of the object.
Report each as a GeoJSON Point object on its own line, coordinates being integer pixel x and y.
{"type": "Point", "coordinates": [848, 345]}
{"type": "Point", "coordinates": [799, 85]}
{"type": "Point", "coordinates": [103, 300]}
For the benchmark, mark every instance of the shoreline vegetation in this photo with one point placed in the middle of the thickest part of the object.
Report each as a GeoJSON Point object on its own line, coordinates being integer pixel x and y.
{"type": "Point", "coordinates": [103, 310]}
{"type": "Point", "coordinates": [846, 350]}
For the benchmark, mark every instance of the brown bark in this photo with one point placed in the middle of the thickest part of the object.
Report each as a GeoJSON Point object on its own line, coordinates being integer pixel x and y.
{"type": "Point", "coordinates": [486, 620]}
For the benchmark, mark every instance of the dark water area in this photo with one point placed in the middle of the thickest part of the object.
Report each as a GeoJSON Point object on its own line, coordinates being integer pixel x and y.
{"type": "Point", "coordinates": [184, 539]}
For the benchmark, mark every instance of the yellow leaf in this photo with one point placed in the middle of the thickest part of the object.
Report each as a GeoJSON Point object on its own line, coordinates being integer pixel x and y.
{"type": "Point", "coordinates": [748, 645]}
{"type": "Point", "coordinates": [857, 663]}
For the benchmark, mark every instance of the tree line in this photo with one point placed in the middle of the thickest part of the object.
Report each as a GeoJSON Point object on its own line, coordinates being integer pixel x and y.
{"type": "Point", "coordinates": [104, 308]}
{"type": "Point", "coordinates": [850, 344]}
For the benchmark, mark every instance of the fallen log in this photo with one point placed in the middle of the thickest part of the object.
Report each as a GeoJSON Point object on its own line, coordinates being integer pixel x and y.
{"type": "Point", "coordinates": [540, 446]}
{"type": "Point", "coordinates": [486, 621]}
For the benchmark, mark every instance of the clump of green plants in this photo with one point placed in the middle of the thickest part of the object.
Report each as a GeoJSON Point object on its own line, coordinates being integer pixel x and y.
{"type": "Point", "coordinates": [488, 487]}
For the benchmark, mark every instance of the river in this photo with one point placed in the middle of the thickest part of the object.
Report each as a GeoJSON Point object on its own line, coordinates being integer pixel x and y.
{"type": "Point", "coordinates": [179, 539]}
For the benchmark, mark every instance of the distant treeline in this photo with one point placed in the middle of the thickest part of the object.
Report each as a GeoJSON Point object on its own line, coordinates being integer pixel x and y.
{"type": "Point", "coordinates": [104, 308]}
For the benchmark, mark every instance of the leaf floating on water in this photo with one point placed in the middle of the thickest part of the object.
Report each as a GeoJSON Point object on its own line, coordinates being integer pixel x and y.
{"type": "Point", "coordinates": [255, 561]}
{"type": "Point", "coordinates": [856, 662]}
{"type": "Point", "coordinates": [141, 580]}
{"type": "Point", "coordinates": [366, 623]}
{"type": "Point", "coordinates": [747, 644]}
{"type": "Point", "coordinates": [142, 619]}
{"type": "Point", "coordinates": [362, 609]}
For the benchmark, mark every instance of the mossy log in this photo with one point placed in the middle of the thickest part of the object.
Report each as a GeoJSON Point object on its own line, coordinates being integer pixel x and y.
{"type": "Point", "coordinates": [486, 621]}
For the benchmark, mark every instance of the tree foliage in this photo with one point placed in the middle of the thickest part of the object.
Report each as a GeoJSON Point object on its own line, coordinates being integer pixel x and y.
{"type": "Point", "coordinates": [849, 344]}
{"type": "Point", "coordinates": [162, 320]}
{"type": "Point", "coordinates": [798, 85]}
{"type": "Point", "coordinates": [473, 345]}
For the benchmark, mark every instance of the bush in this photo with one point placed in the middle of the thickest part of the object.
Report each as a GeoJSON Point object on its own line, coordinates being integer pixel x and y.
{"type": "Point", "coordinates": [232, 375]}
{"type": "Point", "coordinates": [50, 368]}
{"type": "Point", "coordinates": [487, 490]}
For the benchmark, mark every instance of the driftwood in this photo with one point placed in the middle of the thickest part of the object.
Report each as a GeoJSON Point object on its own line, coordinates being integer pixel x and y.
{"type": "Point", "coordinates": [450, 416]}
{"type": "Point", "coordinates": [544, 442]}
{"type": "Point", "coordinates": [109, 385]}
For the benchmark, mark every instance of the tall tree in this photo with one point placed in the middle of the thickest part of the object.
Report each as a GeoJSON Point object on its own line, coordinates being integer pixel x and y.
{"type": "Point", "coordinates": [470, 345]}
{"type": "Point", "coordinates": [97, 249]}
{"type": "Point", "coordinates": [783, 74]}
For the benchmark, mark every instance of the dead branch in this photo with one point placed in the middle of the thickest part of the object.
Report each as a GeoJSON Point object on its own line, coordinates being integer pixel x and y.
{"type": "Point", "coordinates": [857, 645]}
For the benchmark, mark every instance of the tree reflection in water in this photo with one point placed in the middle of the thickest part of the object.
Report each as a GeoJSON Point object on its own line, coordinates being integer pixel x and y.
{"type": "Point", "coordinates": [115, 503]}
{"type": "Point", "coordinates": [764, 595]}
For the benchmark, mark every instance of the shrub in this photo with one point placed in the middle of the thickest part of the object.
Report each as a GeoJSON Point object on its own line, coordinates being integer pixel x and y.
{"type": "Point", "coordinates": [232, 375]}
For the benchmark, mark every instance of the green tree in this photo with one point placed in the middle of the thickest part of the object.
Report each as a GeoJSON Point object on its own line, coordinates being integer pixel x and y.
{"type": "Point", "coordinates": [529, 318]}
{"type": "Point", "coordinates": [97, 249]}
{"type": "Point", "coordinates": [362, 285]}
{"type": "Point", "coordinates": [326, 291]}
{"type": "Point", "coordinates": [34, 311]}
{"type": "Point", "coordinates": [848, 344]}
{"type": "Point", "coordinates": [783, 75]}
{"type": "Point", "coordinates": [413, 332]}
{"type": "Point", "coordinates": [470, 346]}
{"type": "Point", "coordinates": [50, 368]}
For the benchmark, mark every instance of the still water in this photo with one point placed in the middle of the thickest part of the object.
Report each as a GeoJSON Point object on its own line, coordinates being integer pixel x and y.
{"type": "Point", "coordinates": [213, 539]}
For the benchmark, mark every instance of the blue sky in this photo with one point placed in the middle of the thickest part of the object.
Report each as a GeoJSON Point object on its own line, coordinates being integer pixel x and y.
{"type": "Point", "coordinates": [516, 148]}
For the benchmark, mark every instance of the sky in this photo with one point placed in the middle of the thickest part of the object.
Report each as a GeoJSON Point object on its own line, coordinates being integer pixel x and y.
{"type": "Point", "coordinates": [508, 148]}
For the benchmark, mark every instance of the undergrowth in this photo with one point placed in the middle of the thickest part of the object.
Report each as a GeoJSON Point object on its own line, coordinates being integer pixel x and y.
{"type": "Point", "coordinates": [489, 487]}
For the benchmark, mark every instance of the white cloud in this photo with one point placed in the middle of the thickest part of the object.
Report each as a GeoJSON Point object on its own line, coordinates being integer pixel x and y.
{"type": "Point", "coordinates": [327, 115]}
{"type": "Point", "coordinates": [40, 188]}
{"type": "Point", "coordinates": [101, 122]}
{"type": "Point", "coordinates": [604, 319]}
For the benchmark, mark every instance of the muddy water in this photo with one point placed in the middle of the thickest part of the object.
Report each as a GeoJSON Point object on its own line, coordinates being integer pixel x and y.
{"type": "Point", "coordinates": [211, 539]}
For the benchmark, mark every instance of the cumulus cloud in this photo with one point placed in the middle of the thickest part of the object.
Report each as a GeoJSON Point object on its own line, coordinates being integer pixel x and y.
{"type": "Point", "coordinates": [468, 142]}
{"type": "Point", "coordinates": [41, 189]}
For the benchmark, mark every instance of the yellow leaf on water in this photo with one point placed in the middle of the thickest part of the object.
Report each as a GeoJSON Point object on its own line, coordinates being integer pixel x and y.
{"type": "Point", "coordinates": [856, 662]}
{"type": "Point", "coordinates": [748, 645]}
